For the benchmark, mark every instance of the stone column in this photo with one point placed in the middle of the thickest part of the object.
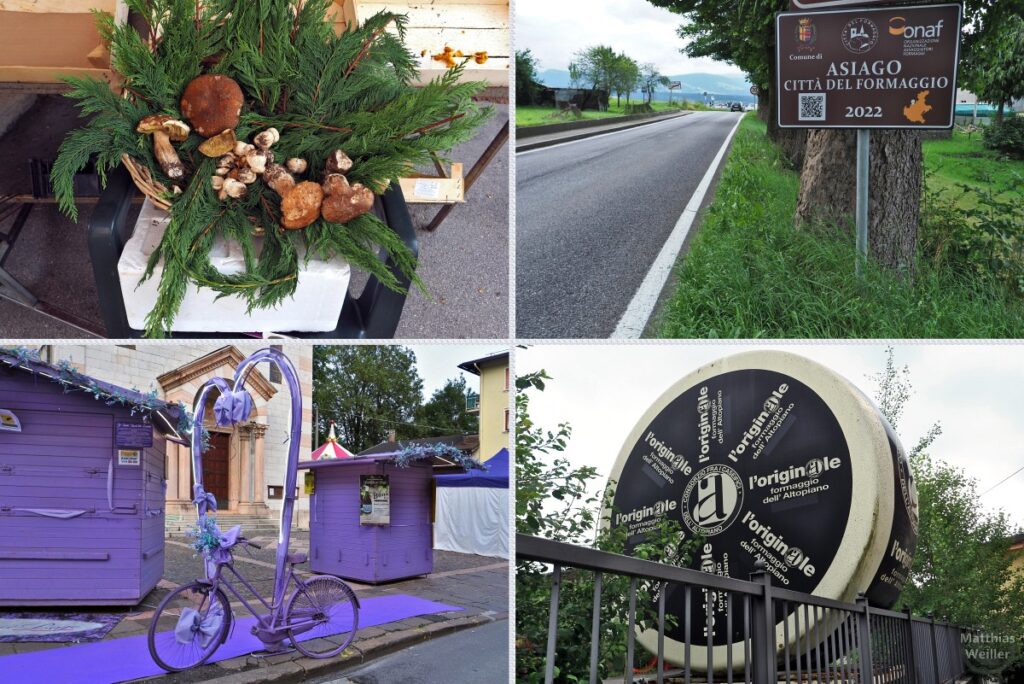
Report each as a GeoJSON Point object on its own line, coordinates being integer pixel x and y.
{"type": "Point", "coordinates": [171, 471]}
{"type": "Point", "coordinates": [259, 432]}
{"type": "Point", "coordinates": [184, 477]}
{"type": "Point", "coordinates": [234, 470]}
{"type": "Point", "coordinates": [244, 469]}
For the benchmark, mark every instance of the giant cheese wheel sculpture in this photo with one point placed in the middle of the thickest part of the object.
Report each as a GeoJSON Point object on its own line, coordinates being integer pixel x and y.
{"type": "Point", "coordinates": [768, 455]}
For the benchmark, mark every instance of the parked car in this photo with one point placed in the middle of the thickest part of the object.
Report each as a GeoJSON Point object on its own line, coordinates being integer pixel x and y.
{"type": "Point", "coordinates": [736, 107]}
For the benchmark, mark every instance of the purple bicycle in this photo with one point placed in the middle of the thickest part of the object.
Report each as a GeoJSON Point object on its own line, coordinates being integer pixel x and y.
{"type": "Point", "coordinates": [321, 615]}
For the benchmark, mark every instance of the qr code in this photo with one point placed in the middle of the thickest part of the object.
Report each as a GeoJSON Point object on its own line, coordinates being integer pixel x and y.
{"type": "Point", "coordinates": [812, 107]}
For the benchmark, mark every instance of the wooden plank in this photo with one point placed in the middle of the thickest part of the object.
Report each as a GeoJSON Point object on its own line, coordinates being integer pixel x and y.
{"type": "Point", "coordinates": [60, 6]}
{"type": "Point", "coordinates": [63, 555]}
{"type": "Point", "coordinates": [421, 189]}
{"type": "Point", "coordinates": [443, 14]}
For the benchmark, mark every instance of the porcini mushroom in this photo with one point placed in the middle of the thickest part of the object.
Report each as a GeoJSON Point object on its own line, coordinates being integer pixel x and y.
{"type": "Point", "coordinates": [343, 202]}
{"type": "Point", "coordinates": [279, 180]}
{"type": "Point", "coordinates": [338, 162]}
{"type": "Point", "coordinates": [219, 145]}
{"type": "Point", "coordinates": [163, 128]}
{"type": "Point", "coordinates": [267, 138]}
{"type": "Point", "coordinates": [296, 165]}
{"type": "Point", "coordinates": [212, 103]}
{"type": "Point", "coordinates": [257, 161]}
{"type": "Point", "coordinates": [300, 206]}
{"type": "Point", "coordinates": [232, 188]}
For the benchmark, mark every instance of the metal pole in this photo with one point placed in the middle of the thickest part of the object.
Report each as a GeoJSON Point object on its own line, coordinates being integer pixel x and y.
{"type": "Point", "coordinates": [863, 157]}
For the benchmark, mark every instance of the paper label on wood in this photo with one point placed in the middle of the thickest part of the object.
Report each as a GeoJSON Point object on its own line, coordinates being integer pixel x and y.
{"type": "Point", "coordinates": [374, 500]}
{"type": "Point", "coordinates": [133, 433]}
{"type": "Point", "coordinates": [129, 457]}
{"type": "Point", "coordinates": [9, 422]}
{"type": "Point", "coordinates": [427, 189]}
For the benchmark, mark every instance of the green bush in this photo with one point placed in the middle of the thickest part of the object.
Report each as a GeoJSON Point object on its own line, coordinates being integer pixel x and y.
{"type": "Point", "coordinates": [985, 236]}
{"type": "Point", "coordinates": [1006, 136]}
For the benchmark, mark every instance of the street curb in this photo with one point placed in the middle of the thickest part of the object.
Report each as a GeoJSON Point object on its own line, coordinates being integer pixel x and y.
{"type": "Point", "coordinates": [526, 147]}
{"type": "Point", "coordinates": [360, 652]}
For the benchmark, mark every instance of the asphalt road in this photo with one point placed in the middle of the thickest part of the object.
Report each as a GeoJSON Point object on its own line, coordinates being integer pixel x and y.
{"type": "Point", "coordinates": [591, 217]}
{"type": "Point", "coordinates": [474, 655]}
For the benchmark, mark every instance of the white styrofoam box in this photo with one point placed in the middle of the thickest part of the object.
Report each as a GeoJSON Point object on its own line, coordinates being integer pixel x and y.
{"type": "Point", "coordinates": [314, 307]}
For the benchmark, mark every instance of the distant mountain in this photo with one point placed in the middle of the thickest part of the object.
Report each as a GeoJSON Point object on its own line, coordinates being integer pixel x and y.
{"type": "Point", "coordinates": [716, 84]}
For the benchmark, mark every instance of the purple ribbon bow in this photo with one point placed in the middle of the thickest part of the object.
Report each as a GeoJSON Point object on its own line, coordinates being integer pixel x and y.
{"type": "Point", "coordinates": [222, 554]}
{"type": "Point", "coordinates": [191, 624]}
{"type": "Point", "coordinates": [203, 496]}
{"type": "Point", "coordinates": [232, 407]}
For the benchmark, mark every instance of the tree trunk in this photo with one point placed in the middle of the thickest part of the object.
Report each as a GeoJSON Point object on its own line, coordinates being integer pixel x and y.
{"type": "Point", "coordinates": [828, 187]}
{"type": "Point", "coordinates": [792, 141]}
{"type": "Point", "coordinates": [999, 113]}
{"type": "Point", "coordinates": [764, 105]}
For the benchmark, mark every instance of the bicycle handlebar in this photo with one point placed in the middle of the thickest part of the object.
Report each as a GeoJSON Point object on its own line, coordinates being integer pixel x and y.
{"type": "Point", "coordinates": [249, 543]}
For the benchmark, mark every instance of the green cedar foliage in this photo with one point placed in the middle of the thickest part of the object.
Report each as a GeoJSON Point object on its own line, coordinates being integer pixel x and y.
{"type": "Point", "coordinates": [320, 90]}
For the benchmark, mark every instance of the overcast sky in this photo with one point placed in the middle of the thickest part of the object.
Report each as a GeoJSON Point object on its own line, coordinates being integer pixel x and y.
{"type": "Point", "coordinates": [555, 29]}
{"type": "Point", "coordinates": [438, 362]}
{"type": "Point", "coordinates": [976, 392]}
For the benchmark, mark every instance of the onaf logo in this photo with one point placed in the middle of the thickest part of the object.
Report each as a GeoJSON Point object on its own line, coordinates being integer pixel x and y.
{"type": "Point", "coordinates": [712, 500]}
{"type": "Point", "coordinates": [898, 27]}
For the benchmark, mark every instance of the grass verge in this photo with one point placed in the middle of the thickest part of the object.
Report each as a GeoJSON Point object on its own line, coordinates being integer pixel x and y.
{"type": "Point", "coordinates": [538, 116]}
{"type": "Point", "coordinates": [750, 274]}
{"type": "Point", "coordinates": [962, 160]}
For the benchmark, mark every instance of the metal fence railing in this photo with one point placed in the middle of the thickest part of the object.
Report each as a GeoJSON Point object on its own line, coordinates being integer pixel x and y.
{"type": "Point", "coordinates": [820, 641]}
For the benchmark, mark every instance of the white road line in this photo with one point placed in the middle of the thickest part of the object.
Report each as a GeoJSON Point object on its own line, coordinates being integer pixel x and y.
{"type": "Point", "coordinates": [634, 320]}
{"type": "Point", "coordinates": [602, 135]}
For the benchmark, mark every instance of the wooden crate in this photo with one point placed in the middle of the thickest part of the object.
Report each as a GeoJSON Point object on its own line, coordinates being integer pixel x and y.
{"type": "Point", "coordinates": [41, 40]}
{"type": "Point", "coordinates": [467, 25]}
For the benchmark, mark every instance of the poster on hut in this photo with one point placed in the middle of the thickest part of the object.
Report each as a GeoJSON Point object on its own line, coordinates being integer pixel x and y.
{"type": "Point", "coordinates": [374, 500]}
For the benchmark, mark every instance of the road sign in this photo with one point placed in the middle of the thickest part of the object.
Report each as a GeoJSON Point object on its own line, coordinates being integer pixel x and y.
{"type": "Point", "coordinates": [797, 5]}
{"type": "Point", "coordinates": [891, 67]}
{"type": "Point", "coordinates": [754, 90]}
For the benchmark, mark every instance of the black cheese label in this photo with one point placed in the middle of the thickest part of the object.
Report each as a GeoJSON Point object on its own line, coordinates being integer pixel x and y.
{"type": "Point", "coordinates": [755, 465]}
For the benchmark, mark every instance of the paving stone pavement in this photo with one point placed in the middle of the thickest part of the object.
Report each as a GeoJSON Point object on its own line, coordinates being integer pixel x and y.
{"type": "Point", "coordinates": [477, 584]}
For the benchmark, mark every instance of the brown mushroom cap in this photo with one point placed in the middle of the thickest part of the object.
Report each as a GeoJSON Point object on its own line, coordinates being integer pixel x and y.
{"type": "Point", "coordinates": [301, 205]}
{"type": "Point", "coordinates": [218, 145]}
{"type": "Point", "coordinates": [344, 202]}
{"type": "Point", "coordinates": [212, 103]}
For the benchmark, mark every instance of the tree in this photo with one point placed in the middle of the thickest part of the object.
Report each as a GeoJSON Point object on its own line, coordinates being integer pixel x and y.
{"type": "Point", "coordinates": [445, 413]}
{"type": "Point", "coordinates": [526, 78]}
{"type": "Point", "coordinates": [556, 500]}
{"type": "Point", "coordinates": [650, 79]}
{"type": "Point", "coordinates": [625, 75]}
{"type": "Point", "coordinates": [365, 390]}
{"type": "Point", "coordinates": [994, 67]}
{"type": "Point", "coordinates": [595, 66]}
{"type": "Point", "coordinates": [961, 570]}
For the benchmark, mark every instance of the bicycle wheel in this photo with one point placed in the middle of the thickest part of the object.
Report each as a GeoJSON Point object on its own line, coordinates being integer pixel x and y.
{"type": "Point", "coordinates": [334, 611]}
{"type": "Point", "coordinates": [179, 646]}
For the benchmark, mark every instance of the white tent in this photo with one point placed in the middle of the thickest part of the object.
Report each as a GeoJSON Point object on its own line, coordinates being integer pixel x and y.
{"type": "Point", "coordinates": [472, 510]}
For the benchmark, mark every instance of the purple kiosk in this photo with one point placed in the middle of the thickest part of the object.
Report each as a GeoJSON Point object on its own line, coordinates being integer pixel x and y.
{"type": "Point", "coordinates": [81, 486]}
{"type": "Point", "coordinates": [370, 516]}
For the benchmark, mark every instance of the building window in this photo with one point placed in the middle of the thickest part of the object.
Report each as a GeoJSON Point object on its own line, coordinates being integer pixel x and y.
{"type": "Point", "coordinates": [507, 377]}
{"type": "Point", "coordinates": [506, 420]}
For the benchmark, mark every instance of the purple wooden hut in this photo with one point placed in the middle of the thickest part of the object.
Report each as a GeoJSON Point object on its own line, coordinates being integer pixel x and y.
{"type": "Point", "coordinates": [81, 486]}
{"type": "Point", "coordinates": [370, 516]}
{"type": "Point", "coordinates": [369, 520]}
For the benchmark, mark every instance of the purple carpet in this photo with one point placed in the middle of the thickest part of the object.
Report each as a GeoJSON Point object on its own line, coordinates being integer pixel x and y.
{"type": "Point", "coordinates": [119, 660]}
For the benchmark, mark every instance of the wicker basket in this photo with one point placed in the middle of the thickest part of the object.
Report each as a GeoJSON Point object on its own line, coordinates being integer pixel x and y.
{"type": "Point", "coordinates": [145, 182]}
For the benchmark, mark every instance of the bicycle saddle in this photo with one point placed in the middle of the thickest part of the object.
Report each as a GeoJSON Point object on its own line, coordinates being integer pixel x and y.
{"type": "Point", "coordinates": [297, 558]}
